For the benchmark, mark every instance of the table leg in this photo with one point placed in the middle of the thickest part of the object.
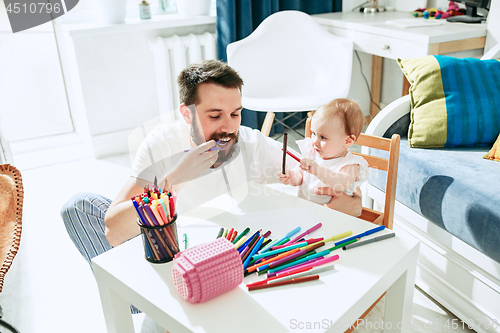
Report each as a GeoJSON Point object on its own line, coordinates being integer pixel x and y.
{"type": "Point", "coordinates": [116, 311]}
{"type": "Point", "coordinates": [399, 302]}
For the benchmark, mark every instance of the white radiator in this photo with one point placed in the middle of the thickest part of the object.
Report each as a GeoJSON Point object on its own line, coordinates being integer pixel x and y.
{"type": "Point", "coordinates": [171, 56]}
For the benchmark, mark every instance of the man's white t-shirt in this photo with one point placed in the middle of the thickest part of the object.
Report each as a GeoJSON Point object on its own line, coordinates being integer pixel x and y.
{"type": "Point", "coordinates": [255, 158]}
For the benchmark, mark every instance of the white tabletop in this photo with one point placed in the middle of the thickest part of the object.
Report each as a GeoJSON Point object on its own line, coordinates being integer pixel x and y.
{"type": "Point", "coordinates": [360, 276]}
{"type": "Point", "coordinates": [376, 24]}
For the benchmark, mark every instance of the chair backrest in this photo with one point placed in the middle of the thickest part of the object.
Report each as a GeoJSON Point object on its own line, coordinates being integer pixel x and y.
{"type": "Point", "coordinates": [390, 165]}
{"type": "Point", "coordinates": [291, 63]}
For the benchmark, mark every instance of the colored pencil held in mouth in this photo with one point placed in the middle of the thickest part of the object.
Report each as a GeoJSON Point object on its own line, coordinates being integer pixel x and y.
{"type": "Point", "coordinates": [216, 147]}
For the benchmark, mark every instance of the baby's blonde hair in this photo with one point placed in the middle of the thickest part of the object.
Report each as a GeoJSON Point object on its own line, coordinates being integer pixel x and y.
{"type": "Point", "coordinates": [347, 111]}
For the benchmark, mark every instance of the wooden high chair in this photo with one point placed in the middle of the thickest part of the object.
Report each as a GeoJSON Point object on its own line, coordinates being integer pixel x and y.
{"type": "Point", "coordinates": [390, 165]}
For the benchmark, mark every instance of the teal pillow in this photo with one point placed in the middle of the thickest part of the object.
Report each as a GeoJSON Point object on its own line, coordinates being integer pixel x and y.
{"type": "Point", "coordinates": [455, 102]}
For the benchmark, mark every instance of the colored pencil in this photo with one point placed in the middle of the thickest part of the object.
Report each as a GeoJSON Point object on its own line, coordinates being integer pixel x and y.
{"type": "Point", "coordinates": [308, 231]}
{"type": "Point", "coordinates": [283, 283]}
{"type": "Point", "coordinates": [306, 272]}
{"type": "Point", "coordinates": [255, 248]}
{"type": "Point", "coordinates": [293, 156]}
{"type": "Point", "coordinates": [241, 235]}
{"type": "Point", "coordinates": [285, 139]}
{"type": "Point", "coordinates": [284, 249]}
{"type": "Point", "coordinates": [276, 277]}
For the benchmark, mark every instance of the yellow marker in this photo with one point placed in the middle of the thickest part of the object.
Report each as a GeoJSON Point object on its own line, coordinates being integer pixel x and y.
{"type": "Point", "coordinates": [241, 241]}
{"type": "Point", "coordinates": [339, 236]}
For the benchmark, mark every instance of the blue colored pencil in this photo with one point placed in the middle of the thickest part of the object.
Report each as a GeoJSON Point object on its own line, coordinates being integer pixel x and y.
{"type": "Point", "coordinates": [248, 240]}
{"type": "Point", "coordinates": [255, 248]}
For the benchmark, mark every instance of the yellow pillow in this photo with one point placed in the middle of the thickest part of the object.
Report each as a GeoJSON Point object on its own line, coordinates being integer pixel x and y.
{"type": "Point", "coordinates": [494, 153]}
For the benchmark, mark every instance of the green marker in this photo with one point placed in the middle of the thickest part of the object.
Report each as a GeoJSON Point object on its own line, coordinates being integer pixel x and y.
{"type": "Point", "coordinates": [225, 232]}
{"type": "Point", "coordinates": [185, 241]}
{"type": "Point", "coordinates": [283, 241]}
{"type": "Point", "coordinates": [316, 255]}
{"type": "Point", "coordinates": [283, 249]}
{"type": "Point", "coordinates": [241, 235]}
{"type": "Point", "coordinates": [342, 244]}
{"type": "Point", "coordinates": [288, 262]}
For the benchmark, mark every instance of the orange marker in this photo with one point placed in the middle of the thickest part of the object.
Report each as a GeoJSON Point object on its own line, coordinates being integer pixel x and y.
{"type": "Point", "coordinates": [154, 209]}
{"type": "Point", "coordinates": [233, 237]}
{"type": "Point", "coordinates": [282, 255]}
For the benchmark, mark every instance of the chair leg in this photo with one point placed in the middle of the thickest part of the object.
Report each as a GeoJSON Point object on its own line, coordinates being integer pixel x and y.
{"type": "Point", "coordinates": [268, 124]}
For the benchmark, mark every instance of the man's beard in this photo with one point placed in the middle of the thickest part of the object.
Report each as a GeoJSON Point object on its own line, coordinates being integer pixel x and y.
{"type": "Point", "coordinates": [198, 139]}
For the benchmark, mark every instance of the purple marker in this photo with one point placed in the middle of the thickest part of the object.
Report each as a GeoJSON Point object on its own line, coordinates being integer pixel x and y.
{"type": "Point", "coordinates": [287, 258]}
{"type": "Point", "coordinates": [308, 231]}
{"type": "Point", "coordinates": [151, 215]}
{"type": "Point", "coordinates": [295, 267]}
{"type": "Point", "coordinates": [242, 254]}
{"type": "Point", "coordinates": [211, 149]}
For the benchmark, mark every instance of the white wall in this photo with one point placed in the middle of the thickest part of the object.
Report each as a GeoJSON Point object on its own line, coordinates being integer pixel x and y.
{"type": "Point", "coordinates": [113, 79]}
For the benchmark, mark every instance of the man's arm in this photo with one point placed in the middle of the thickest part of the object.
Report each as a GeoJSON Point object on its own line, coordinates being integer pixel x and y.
{"type": "Point", "coordinates": [121, 216]}
{"type": "Point", "coordinates": [343, 202]}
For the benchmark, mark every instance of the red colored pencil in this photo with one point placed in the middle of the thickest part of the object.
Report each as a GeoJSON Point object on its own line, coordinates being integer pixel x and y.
{"type": "Point", "coordinates": [285, 282]}
{"type": "Point", "coordinates": [292, 155]}
{"type": "Point", "coordinates": [229, 234]}
{"type": "Point", "coordinates": [300, 270]}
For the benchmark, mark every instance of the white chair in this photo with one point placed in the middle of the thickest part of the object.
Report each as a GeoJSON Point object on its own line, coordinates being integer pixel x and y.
{"type": "Point", "coordinates": [290, 63]}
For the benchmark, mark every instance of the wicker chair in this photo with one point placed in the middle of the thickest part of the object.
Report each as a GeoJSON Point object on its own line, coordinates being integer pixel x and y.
{"type": "Point", "coordinates": [11, 213]}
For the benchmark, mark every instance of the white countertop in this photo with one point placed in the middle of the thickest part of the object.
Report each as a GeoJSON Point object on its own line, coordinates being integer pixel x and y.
{"type": "Point", "coordinates": [376, 24]}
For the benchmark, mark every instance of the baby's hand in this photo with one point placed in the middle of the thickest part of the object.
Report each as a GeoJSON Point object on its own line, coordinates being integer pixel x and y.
{"type": "Point", "coordinates": [286, 178]}
{"type": "Point", "coordinates": [309, 165]}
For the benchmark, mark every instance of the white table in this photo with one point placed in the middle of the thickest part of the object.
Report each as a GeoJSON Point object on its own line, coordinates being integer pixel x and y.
{"type": "Point", "coordinates": [372, 35]}
{"type": "Point", "coordinates": [334, 302]}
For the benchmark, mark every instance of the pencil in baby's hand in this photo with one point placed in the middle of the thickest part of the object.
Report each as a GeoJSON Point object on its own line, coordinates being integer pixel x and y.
{"type": "Point", "coordinates": [285, 139]}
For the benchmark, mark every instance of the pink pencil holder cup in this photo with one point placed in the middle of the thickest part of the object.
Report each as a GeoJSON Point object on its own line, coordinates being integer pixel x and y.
{"type": "Point", "coordinates": [207, 270]}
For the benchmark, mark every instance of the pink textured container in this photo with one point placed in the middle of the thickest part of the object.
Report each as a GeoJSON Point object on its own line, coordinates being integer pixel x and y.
{"type": "Point", "coordinates": [207, 270]}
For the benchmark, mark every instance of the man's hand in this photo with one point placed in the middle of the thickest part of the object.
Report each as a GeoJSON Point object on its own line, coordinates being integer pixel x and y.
{"type": "Point", "coordinates": [309, 165]}
{"type": "Point", "coordinates": [341, 201]}
{"type": "Point", "coordinates": [193, 164]}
